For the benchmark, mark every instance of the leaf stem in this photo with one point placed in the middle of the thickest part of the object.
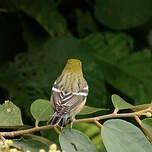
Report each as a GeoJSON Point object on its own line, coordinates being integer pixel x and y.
{"type": "Point", "coordinates": [36, 123]}
{"type": "Point", "coordinates": [116, 111]}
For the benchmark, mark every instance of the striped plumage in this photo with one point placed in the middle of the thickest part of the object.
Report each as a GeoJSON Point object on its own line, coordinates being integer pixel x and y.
{"type": "Point", "coordinates": [69, 93]}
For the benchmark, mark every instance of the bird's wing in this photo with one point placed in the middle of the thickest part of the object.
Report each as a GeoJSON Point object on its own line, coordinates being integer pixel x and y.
{"type": "Point", "coordinates": [65, 102]}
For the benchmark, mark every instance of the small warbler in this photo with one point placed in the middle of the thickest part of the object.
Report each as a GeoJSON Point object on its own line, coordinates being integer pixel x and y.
{"type": "Point", "coordinates": [69, 93]}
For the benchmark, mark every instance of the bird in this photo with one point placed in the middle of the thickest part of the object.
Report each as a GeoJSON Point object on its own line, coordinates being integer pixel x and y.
{"type": "Point", "coordinates": [69, 94]}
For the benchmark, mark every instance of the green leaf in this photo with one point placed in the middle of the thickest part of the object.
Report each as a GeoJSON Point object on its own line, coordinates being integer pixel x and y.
{"type": "Point", "coordinates": [50, 135]}
{"type": "Point", "coordinates": [125, 70]}
{"type": "Point", "coordinates": [140, 107]}
{"type": "Point", "coordinates": [30, 144]}
{"type": "Point", "coordinates": [120, 103]}
{"type": "Point", "coordinates": [88, 110]}
{"type": "Point", "coordinates": [39, 138]}
{"type": "Point", "coordinates": [41, 110]}
{"type": "Point", "coordinates": [119, 135]}
{"type": "Point", "coordinates": [133, 13]}
{"type": "Point", "coordinates": [148, 124]}
{"type": "Point", "coordinates": [45, 13]}
{"type": "Point", "coordinates": [72, 140]}
{"type": "Point", "coordinates": [10, 115]}
{"type": "Point", "coordinates": [92, 131]}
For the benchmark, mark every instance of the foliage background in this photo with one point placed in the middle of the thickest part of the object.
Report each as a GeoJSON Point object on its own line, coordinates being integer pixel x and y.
{"type": "Point", "coordinates": [112, 38]}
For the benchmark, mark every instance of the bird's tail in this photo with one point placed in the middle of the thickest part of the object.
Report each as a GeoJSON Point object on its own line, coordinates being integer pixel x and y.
{"type": "Point", "coordinates": [58, 120]}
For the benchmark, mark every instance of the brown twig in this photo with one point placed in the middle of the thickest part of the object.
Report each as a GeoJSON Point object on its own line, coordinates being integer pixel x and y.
{"type": "Point", "coordinates": [2, 138]}
{"type": "Point", "coordinates": [36, 123]}
{"type": "Point", "coordinates": [57, 130]}
{"type": "Point", "coordinates": [93, 119]}
{"type": "Point", "coordinates": [145, 130]}
{"type": "Point", "coordinates": [116, 110]}
{"type": "Point", "coordinates": [98, 124]}
{"type": "Point", "coordinates": [26, 131]}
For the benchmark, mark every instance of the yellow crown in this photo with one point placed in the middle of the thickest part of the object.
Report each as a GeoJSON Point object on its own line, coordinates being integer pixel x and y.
{"type": "Point", "coordinates": [73, 66]}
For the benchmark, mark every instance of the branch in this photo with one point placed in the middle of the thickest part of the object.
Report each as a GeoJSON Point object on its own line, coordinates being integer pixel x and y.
{"type": "Point", "coordinates": [93, 120]}
{"type": "Point", "coordinates": [98, 124]}
{"type": "Point", "coordinates": [145, 130]}
{"type": "Point", "coordinates": [26, 131]}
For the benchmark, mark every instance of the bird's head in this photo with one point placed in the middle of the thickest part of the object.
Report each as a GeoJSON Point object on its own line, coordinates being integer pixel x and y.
{"type": "Point", "coordinates": [73, 66]}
